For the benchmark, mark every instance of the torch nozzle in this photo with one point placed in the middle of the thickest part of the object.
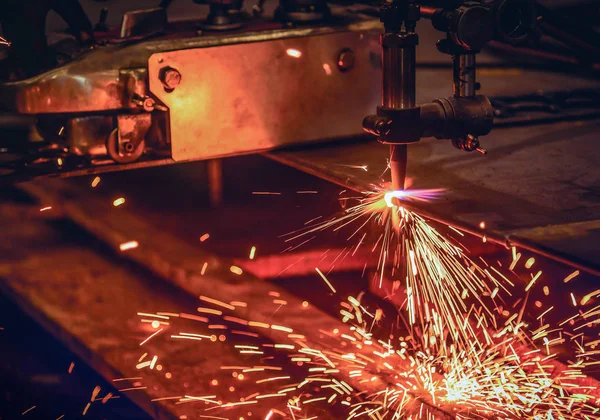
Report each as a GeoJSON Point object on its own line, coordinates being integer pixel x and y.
{"type": "Point", "coordinates": [398, 162]}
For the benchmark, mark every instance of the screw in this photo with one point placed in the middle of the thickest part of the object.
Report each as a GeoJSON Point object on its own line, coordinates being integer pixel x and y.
{"type": "Point", "coordinates": [128, 146]}
{"type": "Point", "coordinates": [383, 127]}
{"type": "Point", "coordinates": [148, 104]}
{"type": "Point", "coordinates": [346, 60]}
{"type": "Point", "coordinates": [170, 78]}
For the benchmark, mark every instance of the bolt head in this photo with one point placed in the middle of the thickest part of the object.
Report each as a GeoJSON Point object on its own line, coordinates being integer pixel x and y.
{"type": "Point", "coordinates": [148, 104]}
{"type": "Point", "coordinates": [170, 78]}
{"type": "Point", "coordinates": [128, 147]}
{"type": "Point", "coordinates": [346, 60]}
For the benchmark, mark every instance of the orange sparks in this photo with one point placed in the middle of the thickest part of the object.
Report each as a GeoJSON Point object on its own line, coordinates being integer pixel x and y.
{"type": "Point", "coordinates": [452, 357]}
{"type": "Point", "coordinates": [46, 208]}
{"type": "Point", "coordinates": [119, 201]}
{"type": "Point", "coordinates": [95, 182]}
{"type": "Point", "coordinates": [71, 366]}
{"type": "Point", "coordinates": [327, 69]}
{"type": "Point", "coordinates": [278, 378]}
{"type": "Point", "coordinates": [133, 378]}
{"type": "Point", "coordinates": [217, 302]}
{"type": "Point", "coordinates": [236, 270]}
{"type": "Point", "coordinates": [529, 263]}
{"type": "Point", "coordinates": [107, 397]}
{"type": "Point", "coordinates": [209, 311]}
{"type": "Point", "coordinates": [95, 393]}
{"type": "Point", "coordinates": [571, 276]}
{"type": "Point", "coordinates": [128, 245]}
{"type": "Point", "coordinates": [137, 388]}
{"type": "Point", "coordinates": [545, 312]}
{"type": "Point", "coordinates": [515, 261]}
{"type": "Point", "coordinates": [533, 280]}
{"type": "Point", "coordinates": [292, 52]}
{"type": "Point", "coordinates": [194, 317]}
{"type": "Point", "coordinates": [325, 280]}
{"type": "Point", "coordinates": [28, 410]}
{"type": "Point", "coordinates": [412, 262]}
{"type": "Point", "coordinates": [152, 315]}
{"type": "Point", "coordinates": [281, 328]}
{"type": "Point", "coordinates": [204, 237]}
{"type": "Point", "coordinates": [150, 337]}
{"type": "Point", "coordinates": [145, 364]}
{"type": "Point", "coordinates": [259, 324]}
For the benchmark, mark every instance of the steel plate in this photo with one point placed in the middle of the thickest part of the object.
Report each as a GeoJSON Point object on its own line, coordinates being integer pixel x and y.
{"type": "Point", "coordinates": [245, 98]}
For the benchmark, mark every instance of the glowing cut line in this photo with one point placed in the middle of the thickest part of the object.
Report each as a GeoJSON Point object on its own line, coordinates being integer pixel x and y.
{"type": "Point", "coordinates": [389, 196]}
{"type": "Point", "coordinates": [421, 195]}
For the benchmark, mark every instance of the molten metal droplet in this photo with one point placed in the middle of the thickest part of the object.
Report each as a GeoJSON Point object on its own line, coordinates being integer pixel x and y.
{"type": "Point", "coordinates": [292, 52]}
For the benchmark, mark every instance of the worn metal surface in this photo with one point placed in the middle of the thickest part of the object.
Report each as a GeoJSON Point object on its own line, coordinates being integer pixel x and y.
{"type": "Point", "coordinates": [89, 300]}
{"type": "Point", "coordinates": [243, 98]}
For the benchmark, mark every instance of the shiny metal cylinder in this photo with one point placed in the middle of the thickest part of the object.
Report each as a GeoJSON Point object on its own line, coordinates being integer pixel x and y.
{"type": "Point", "coordinates": [464, 79]}
{"type": "Point", "coordinates": [398, 91]}
{"type": "Point", "coordinates": [398, 165]}
{"type": "Point", "coordinates": [399, 83]}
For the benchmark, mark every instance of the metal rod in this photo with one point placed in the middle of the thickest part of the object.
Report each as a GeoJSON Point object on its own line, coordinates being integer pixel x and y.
{"type": "Point", "coordinates": [398, 91]}
{"type": "Point", "coordinates": [464, 79]}
{"type": "Point", "coordinates": [398, 164]}
{"type": "Point", "coordinates": [399, 85]}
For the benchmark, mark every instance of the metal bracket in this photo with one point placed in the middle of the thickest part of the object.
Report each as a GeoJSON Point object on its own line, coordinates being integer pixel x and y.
{"type": "Point", "coordinates": [258, 96]}
{"type": "Point", "coordinates": [126, 143]}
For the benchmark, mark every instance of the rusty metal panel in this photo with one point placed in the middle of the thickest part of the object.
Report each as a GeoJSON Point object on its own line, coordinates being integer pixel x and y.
{"type": "Point", "coordinates": [245, 98]}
